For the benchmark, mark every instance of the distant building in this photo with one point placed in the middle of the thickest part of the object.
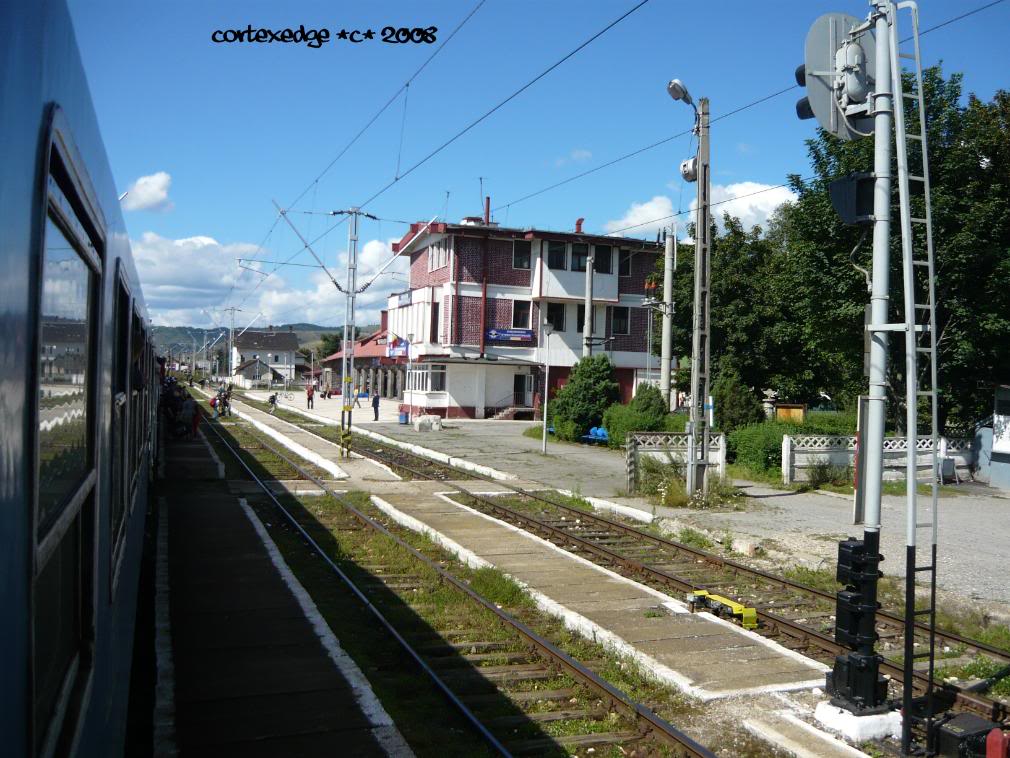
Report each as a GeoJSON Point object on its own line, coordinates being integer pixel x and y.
{"type": "Point", "coordinates": [255, 373]}
{"type": "Point", "coordinates": [277, 349]}
{"type": "Point", "coordinates": [478, 297]}
{"type": "Point", "coordinates": [377, 370]}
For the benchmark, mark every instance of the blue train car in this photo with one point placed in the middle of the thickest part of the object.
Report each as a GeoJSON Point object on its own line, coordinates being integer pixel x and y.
{"type": "Point", "coordinates": [78, 400]}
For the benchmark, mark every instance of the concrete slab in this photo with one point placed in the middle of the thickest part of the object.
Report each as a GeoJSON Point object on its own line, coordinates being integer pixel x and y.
{"type": "Point", "coordinates": [705, 656]}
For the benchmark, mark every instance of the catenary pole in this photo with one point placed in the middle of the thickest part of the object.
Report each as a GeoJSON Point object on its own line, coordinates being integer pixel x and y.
{"type": "Point", "coordinates": [698, 440]}
{"type": "Point", "coordinates": [587, 323]}
{"type": "Point", "coordinates": [666, 352]}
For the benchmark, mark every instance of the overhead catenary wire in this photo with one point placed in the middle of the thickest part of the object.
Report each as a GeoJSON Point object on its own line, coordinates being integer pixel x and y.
{"type": "Point", "coordinates": [389, 102]}
{"type": "Point", "coordinates": [583, 174]}
{"type": "Point", "coordinates": [733, 112]}
{"type": "Point", "coordinates": [504, 102]}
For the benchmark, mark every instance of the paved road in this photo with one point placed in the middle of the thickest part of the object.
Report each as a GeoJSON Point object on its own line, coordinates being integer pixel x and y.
{"type": "Point", "coordinates": [974, 530]}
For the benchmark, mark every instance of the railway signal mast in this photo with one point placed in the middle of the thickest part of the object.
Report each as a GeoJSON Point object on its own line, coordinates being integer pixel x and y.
{"type": "Point", "coordinates": [853, 76]}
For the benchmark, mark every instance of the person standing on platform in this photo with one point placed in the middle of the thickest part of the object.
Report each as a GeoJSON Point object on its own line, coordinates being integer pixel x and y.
{"type": "Point", "coordinates": [375, 404]}
{"type": "Point", "coordinates": [309, 392]}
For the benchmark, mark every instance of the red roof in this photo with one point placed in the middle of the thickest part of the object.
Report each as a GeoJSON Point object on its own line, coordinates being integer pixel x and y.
{"type": "Point", "coordinates": [372, 346]}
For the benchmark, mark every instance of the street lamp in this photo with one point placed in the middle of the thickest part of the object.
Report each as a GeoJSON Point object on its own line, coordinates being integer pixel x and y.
{"type": "Point", "coordinates": [697, 169]}
{"type": "Point", "coordinates": [410, 379]}
{"type": "Point", "coordinates": [548, 330]}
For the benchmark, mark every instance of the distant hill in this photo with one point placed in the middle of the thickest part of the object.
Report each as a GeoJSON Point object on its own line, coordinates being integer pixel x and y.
{"type": "Point", "coordinates": [179, 337]}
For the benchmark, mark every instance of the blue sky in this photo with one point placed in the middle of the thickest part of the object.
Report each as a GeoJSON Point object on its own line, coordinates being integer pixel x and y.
{"type": "Point", "coordinates": [218, 130]}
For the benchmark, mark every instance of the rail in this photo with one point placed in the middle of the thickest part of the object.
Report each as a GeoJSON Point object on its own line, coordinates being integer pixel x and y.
{"type": "Point", "coordinates": [654, 726]}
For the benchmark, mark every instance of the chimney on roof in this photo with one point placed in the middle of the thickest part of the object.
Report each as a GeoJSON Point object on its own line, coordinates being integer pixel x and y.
{"type": "Point", "coordinates": [487, 210]}
{"type": "Point", "coordinates": [383, 320]}
{"type": "Point", "coordinates": [578, 225]}
{"type": "Point", "coordinates": [291, 327]}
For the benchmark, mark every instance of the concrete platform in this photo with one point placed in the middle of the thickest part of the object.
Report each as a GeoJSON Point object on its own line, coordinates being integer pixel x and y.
{"type": "Point", "coordinates": [705, 656]}
{"type": "Point", "coordinates": [242, 668]}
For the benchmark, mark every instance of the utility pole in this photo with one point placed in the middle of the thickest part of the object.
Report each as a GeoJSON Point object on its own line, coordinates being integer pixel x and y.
{"type": "Point", "coordinates": [698, 440]}
{"type": "Point", "coordinates": [349, 391]}
{"type": "Point", "coordinates": [231, 340]}
{"type": "Point", "coordinates": [666, 351]}
{"type": "Point", "coordinates": [587, 324]}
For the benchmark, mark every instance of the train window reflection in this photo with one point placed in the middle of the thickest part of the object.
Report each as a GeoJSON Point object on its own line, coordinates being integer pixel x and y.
{"type": "Point", "coordinates": [63, 374]}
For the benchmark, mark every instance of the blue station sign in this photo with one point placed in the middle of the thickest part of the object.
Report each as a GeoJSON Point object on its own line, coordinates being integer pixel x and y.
{"type": "Point", "coordinates": [510, 335]}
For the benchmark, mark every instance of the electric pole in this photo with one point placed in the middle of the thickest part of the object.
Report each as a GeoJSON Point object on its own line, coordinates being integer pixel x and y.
{"type": "Point", "coordinates": [587, 324]}
{"type": "Point", "coordinates": [666, 350]}
{"type": "Point", "coordinates": [231, 340]}
{"type": "Point", "coordinates": [698, 440]}
{"type": "Point", "coordinates": [349, 391]}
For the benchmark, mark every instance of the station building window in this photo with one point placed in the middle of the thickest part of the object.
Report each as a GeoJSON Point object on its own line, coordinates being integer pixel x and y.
{"type": "Point", "coordinates": [624, 263]}
{"type": "Point", "coordinates": [580, 254]}
{"type": "Point", "coordinates": [602, 263]}
{"type": "Point", "coordinates": [427, 378]}
{"type": "Point", "coordinates": [556, 254]}
{"type": "Point", "coordinates": [521, 254]}
{"type": "Point", "coordinates": [556, 316]}
{"type": "Point", "coordinates": [619, 320]}
{"type": "Point", "coordinates": [521, 314]}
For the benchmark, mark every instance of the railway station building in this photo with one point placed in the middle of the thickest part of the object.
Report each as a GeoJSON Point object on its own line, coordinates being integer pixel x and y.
{"type": "Point", "coordinates": [471, 323]}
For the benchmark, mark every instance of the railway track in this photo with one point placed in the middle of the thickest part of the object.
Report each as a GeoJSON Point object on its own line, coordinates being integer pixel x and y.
{"type": "Point", "coordinates": [795, 615]}
{"type": "Point", "coordinates": [477, 667]}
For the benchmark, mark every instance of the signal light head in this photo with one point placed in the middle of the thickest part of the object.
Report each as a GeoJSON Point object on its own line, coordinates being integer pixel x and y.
{"type": "Point", "coordinates": [803, 109]}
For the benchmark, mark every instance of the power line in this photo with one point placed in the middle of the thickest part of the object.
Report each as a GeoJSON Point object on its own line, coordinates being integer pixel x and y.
{"type": "Point", "coordinates": [504, 102]}
{"type": "Point", "coordinates": [389, 102]}
{"type": "Point", "coordinates": [710, 205]}
{"type": "Point", "coordinates": [733, 112]}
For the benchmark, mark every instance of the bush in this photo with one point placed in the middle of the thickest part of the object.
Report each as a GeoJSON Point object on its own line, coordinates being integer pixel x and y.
{"type": "Point", "coordinates": [581, 403]}
{"type": "Point", "coordinates": [824, 472]}
{"type": "Point", "coordinates": [675, 422]}
{"type": "Point", "coordinates": [829, 422]}
{"type": "Point", "coordinates": [735, 403]}
{"type": "Point", "coordinates": [758, 446]}
{"type": "Point", "coordinates": [649, 402]}
{"type": "Point", "coordinates": [619, 420]}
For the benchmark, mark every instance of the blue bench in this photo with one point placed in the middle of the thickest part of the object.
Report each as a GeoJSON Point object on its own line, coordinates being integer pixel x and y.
{"type": "Point", "coordinates": [597, 436]}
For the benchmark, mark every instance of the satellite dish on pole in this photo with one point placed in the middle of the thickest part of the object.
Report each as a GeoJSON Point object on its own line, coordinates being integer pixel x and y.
{"type": "Point", "coordinates": [837, 72]}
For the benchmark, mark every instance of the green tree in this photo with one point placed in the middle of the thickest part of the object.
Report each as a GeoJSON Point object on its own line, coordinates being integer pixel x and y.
{"type": "Point", "coordinates": [331, 343]}
{"type": "Point", "coordinates": [580, 404]}
{"type": "Point", "coordinates": [736, 404]}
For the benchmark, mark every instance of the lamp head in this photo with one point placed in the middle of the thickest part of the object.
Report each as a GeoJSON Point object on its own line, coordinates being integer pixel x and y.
{"type": "Point", "coordinates": [410, 337]}
{"type": "Point", "coordinates": [678, 91]}
{"type": "Point", "coordinates": [548, 328]}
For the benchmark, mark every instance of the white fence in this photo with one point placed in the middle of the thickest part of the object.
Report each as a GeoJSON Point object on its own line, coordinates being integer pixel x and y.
{"type": "Point", "coordinates": [669, 447]}
{"type": "Point", "coordinates": [801, 453]}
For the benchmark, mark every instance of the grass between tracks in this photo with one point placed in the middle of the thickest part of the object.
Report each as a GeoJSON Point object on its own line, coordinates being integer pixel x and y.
{"type": "Point", "coordinates": [433, 605]}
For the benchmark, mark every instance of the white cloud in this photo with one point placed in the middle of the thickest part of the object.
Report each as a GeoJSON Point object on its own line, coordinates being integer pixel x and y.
{"type": "Point", "coordinates": [642, 217]}
{"type": "Point", "coordinates": [751, 202]}
{"type": "Point", "coordinates": [578, 155]}
{"type": "Point", "coordinates": [149, 193]}
{"type": "Point", "coordinates": [183, 279]}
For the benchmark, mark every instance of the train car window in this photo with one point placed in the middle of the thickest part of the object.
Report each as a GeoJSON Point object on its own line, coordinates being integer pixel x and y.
{"type": "Point", "coordinates": [120, 389]}
{"type": "Point", "coordinates": [70, 263]}
{"type": "Point", "coordinates": [64, 375]}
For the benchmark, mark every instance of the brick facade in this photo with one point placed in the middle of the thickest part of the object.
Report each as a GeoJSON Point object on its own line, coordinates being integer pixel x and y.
{"type": "Point", "coordinates": [642, 265]}
{"type": "Point", "coordinates": [447, 316]}
{"type": "Point", "coordinates": [499, 316]}
{"type": "Point", "coordinates": [500, 269]}
{"type": "Point", "coordinates": [468, 250]}
{"type": "Point", "coordinates": [469, 314]}
{"type": "Point", "coordinates": [638, 322]}
{"type": "Point", "coordinates": [420, 276]}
